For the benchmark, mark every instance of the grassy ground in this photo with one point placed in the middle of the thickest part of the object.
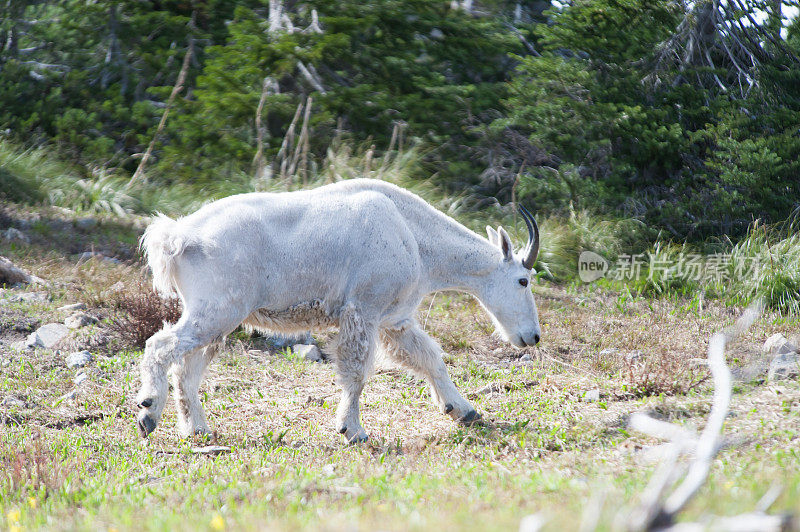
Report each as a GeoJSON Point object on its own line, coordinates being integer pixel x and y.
{"type": "Point", "coordinates": [77, 463]}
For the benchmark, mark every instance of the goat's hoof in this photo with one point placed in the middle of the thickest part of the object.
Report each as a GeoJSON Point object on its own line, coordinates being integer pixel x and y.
{"type": "Point", "coordinates": [351, 437]}
{"type": "Point", "coordinates": [146, 403]}
{"type": "Point", "coordinates": [448, 408]}
{"type": "Point", "coordinates": [146, 425]}
{"type": "Point", "coordinates": [471, 417]}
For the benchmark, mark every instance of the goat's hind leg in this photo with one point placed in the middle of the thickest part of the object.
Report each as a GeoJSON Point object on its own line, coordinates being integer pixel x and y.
{"type": "Point", "coordinates": [186, 379]}
{"type": "Point", "coordinates": [410, 347]}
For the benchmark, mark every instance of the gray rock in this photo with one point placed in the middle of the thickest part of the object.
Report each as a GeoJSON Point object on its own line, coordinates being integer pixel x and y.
{"type": "Point", "coordinates": [633, 356]}
{"type": "Point", "coordinates": [20, 346]}
{"type": "Point", "coordinates": [784, 366]}
{"type": "Point", "coordinates": [13, 402]}
{"type": "Point", "coordinates": [526, 358]}
{"type": "Point", "coordinates": [78, 359]}
{"type": "Point", "coordinates": [80, 378]}
{"type": "Point", "coordinates": [12, 234]}
{"type": "Point", "coordinates": [85, 223]}
{"type": "Point", "coordinates": [592, 396]}
{"type": "Point", "coordinates": [777, 344]}
{"type": "Point", "coordinates": [88, 255]}
{"type": "Point", "coordinates": [69, 396]}
{"type": "Point", "coordinates": [288, 340]}
{"type": "Point", "coordinates": [47, 336]}
{"type": "Point", "coordinates": [30, 297]}
{"type": "Point", "coordinates": [753, 372]}
{"type": "Point", "coordinates": [78, 320]}
{"type": "Point", "coordinates": [311, 353]}
{"type": "Point", "coordinates": [211, 449]}
{"type": "Point", "coordinates": [73, 306]}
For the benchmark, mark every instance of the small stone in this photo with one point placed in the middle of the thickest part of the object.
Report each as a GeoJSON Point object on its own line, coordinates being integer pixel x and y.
{"type": "Point", "coordinates": [47, 336]}
{"type": "Point", "coordinates": [526, 358]}
{"type": "Point", "coordinates": [73, 306]}
{"type": "Point", "coordinates": [288, 340]}
{"type": "Point", "coordinates": [13, 402]}
{"type": "Point", "coordinates": [489, 389]}
{"type": "Point", "coordinates": [80, 378]}
{"type": "Point", "coordinates": [69, 396]}
{"type": "Point", "coordinates": [310, 353]}
{"type": "Point", "coordinates": [79, 359]}
{"type": "Point", "coordinates": [78, 320]}
{"type": "Point", "coordinates": [609, 351]}
{"type": "Point", "coordinates": [633, 356]}
{"type": "Point", "coordinates": [777, 344]}
{"type": "Point", "coordinates": [532, 523]}
{"type": "Point", "coordinates": [12, 234]}
{"type": "Point", "coordinates": [20, 346]}
{"type": "Point", "coordinates": [784, 366]}
{"type": "Point", "coordinates": [211, 449]}
{"type": "Point", "coordinates": [30, 297]}
{"type": "Point", "coordinates": [85, 223]}
{"type": "Point", "coordinates": [88, 255]}
{"type": "Point", "coordinates": [592, 396]}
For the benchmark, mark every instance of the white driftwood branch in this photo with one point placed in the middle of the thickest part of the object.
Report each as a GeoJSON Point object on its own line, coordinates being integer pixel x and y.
{"type": "Point", "coordinates": [657, 512]}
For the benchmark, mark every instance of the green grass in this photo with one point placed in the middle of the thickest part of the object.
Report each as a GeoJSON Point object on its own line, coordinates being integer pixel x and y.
{"type": "Point", "coordinates": [79, 464]}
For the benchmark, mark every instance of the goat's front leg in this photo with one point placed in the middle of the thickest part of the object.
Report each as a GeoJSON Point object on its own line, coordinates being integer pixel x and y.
{"type": "Point", "coordinates": [410, 347]}
{"type": "Point", "coordinates": [164, 349]}
{"type": "Point", "coordinates": [186, 381]}
{"type": "Point", "coordinates": [355, 353]}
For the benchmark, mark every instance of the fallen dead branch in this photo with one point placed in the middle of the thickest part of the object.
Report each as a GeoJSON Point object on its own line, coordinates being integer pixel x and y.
{"type": "Point", "coordinates": [11, 274]}
{"type": "Point", "coordinates": [661, 504]}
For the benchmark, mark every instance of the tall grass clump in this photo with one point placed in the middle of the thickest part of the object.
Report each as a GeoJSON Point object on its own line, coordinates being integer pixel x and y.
{"type": "Point", "coordinates": [35, 177]}
{"type": "Point", "coordinates": [766, 264]}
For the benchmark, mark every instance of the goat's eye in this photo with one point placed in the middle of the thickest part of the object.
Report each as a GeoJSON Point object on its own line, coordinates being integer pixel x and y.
{"type": "Point", "coordinates": [523, 282]}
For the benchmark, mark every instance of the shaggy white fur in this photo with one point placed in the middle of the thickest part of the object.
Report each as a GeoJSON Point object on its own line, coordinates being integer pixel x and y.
{"type": "Point", "coordinates": [358, 255]}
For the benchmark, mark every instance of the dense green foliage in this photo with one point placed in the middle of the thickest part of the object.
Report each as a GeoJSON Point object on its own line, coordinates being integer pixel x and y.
{"type": "Point", "coordinates": [623, 108]}
{"type": "Point", "coordinates": [687, 156]}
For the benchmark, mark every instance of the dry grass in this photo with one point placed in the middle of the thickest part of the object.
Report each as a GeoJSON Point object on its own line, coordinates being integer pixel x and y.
{"type": "Point", "coordinates": [541, 448]}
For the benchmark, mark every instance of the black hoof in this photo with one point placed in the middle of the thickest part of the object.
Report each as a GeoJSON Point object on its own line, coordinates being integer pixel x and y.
{"type": "Point", "coordinates": [471, 417]}
{"type": "Point", "coordinates": [146, 426]}
{"type": "Point", "coordinates": [448, 408]}
{"type": "Point", "coordinates": [147, 403]}
{"type": "Point", "coordinates": [359, 439]}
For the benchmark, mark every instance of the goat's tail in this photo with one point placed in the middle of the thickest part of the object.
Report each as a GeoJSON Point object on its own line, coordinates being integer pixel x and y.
{"type": "Point", "coordinates": [162, 243]}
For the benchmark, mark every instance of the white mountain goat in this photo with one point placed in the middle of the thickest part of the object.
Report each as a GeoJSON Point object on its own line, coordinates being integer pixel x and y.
{"type": "Point", "coordinates": [357, 255]}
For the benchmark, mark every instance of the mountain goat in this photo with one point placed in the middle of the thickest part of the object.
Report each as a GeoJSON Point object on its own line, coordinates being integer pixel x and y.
{"type": "Point", "coordinates": [357, 255]}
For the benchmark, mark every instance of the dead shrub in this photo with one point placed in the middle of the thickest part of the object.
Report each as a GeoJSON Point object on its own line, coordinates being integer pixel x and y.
{"type": "Point", "coordinates": [662, 373]}
{"type": "Point", "coordinates": [34, 469]}
{"type": "Point", "coordinates": [140, 313]}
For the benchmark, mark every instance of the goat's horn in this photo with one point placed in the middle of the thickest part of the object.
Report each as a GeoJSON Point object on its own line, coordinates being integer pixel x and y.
{"type": "Point", "coordinates": [532, 248]}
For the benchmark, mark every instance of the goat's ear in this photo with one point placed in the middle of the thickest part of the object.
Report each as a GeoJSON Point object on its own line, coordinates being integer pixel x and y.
{"type": "Point", "coordinates": [505, 244]}
{"type": "Point", "coordinates": [494, 239]}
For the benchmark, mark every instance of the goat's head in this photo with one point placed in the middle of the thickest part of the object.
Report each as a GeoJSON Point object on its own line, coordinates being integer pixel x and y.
{"type": "Point", "coordinates": [507, 294]}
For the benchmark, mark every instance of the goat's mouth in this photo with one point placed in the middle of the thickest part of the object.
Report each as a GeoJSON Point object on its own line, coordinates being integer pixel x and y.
{"type": "Point", "coordinates": [517, 341]}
